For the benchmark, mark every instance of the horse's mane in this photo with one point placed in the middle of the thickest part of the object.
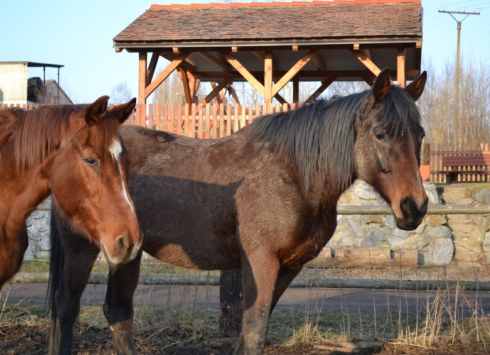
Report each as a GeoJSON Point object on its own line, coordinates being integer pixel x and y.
{"type": "Point", "coordinates": [34, 134]}
{"type": "Point", "coordinates": [320, 137]}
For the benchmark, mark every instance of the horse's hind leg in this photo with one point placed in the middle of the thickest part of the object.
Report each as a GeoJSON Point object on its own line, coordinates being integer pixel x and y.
{"type": "Point", "coordinates": [80, 256]}
{"type": "Point", "coordinates": [118, 306]}
{"type": "Point", "coordinates": [259, 275]}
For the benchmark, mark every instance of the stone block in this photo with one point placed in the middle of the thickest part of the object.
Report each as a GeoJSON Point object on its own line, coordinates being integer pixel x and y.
{"type": "Point", "coordinates": [435, 220]}
{"type": "Point", "coordinates": [483, 196]}
{"type": "Point", "coordinates": [453, 194]}
{"type": "Point", "coordinates": [432, 194]}
{"type": "Point", "coordinates": [438, 252]}
{"type": "Point", "coordinates": [439, 232]}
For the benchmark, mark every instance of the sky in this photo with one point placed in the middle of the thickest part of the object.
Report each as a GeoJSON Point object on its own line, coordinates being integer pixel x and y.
{"type": "Point", "coordinates": [79, 34]}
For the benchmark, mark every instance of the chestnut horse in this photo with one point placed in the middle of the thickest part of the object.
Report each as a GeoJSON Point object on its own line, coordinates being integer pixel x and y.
{"type": "Point", "coordinates": [263, 200]}
{"type": "Point", "coordinates": [76, 153]}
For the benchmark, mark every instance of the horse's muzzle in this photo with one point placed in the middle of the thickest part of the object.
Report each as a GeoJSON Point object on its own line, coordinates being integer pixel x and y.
{"type": "Point", "coordinates": [123, 252]}
{"type": "Point", "coordinates": [413, 214]}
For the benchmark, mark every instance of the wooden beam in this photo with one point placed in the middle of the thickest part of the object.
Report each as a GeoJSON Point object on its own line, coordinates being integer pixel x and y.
{"type": "Point", "coordinates": [368, 63]}
{"type": "Point", "coordinates": [171, 57]}
{"type": "Point", "coordinates": [268, 77]}
{"type": "Point", "coordinates": [165, 73]}
{"type": "Point", "coordinates": [193, 85]}
{"type": "Point", "coordinates": [261, 56]}
{"type": "Point", "coordinates": [293, 71]}
{"type": "Point", "coordinates": [216, 61]}
{"type": "Point", "coordinates": [295, 48]}
{"type": "Point", "coordinates": [185, 82]}
{"type": "Point", "coordinates": [319, 63]}
{"type": "Point", "coordinates": [212, 94]}
{"type": "Point", "coordinates": [400, 68]}
{"type": "Point", "coordinates": [318, 92]}
{"type": "Point", "coordinates": [296, 90]}
{"type": "Point", "coordinates": [219, 98]}
{"type": "Point", "coordinates": [234, 95]}
{"type": "Point", "coordinates": [245, 73]}
{"type": "Point", "coordinates": [281, 99]}
{"type": "Point", "coordinates": [234, 49]}
{"type": "Point", "coordinates": [355, 74]}
{"type": "Point", "coordinates": [356, 46]}
{"type": "Point", "coordinates": [152, 67]}
{"type": "Point", "coordinates": [142, 78]}
{"type": "Point", "coordinates": [175, 50]}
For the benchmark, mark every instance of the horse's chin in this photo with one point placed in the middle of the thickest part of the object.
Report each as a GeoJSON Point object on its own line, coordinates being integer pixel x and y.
{"type": "Point", "coordinates": [407, 225]}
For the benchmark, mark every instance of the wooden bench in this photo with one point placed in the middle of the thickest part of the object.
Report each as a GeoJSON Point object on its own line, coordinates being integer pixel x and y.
{"type": "Point", "coordinates": [475, 164]}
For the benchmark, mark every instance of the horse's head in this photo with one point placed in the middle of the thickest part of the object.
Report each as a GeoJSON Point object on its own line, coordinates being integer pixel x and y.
{"type": "Point", "coordinates": [89, 181]}
{"type": "Point", "coordinates": [387, 148]}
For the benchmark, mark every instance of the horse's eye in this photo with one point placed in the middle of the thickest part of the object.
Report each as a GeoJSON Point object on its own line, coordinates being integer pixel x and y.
{"type": "Point", "coordinates": [93, 163]}
{"type": "Point", "coordinates": [381, 137]}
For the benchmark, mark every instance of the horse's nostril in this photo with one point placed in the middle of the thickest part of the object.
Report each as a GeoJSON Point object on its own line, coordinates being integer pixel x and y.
{"type": "Point", "coordinates": [122, 244]}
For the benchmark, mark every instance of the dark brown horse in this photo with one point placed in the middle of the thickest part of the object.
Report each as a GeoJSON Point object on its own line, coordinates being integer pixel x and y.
{"type": "Point", "coordinates": [76, 153]}
{"type": "Point", "coordinates": [263, 200]}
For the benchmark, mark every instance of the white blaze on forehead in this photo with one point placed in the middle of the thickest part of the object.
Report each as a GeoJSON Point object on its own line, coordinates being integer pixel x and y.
{"type": "Point", "coordinates": [115, 149]}
{"type": "Point", "coordinates": [125, 191]}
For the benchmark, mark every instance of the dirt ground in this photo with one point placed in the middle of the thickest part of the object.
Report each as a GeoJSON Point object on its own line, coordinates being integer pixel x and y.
{"type": "Point", "coordinates": [32, 340]}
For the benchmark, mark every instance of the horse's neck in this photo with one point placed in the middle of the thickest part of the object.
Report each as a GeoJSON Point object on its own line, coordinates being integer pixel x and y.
{"type": "Point", "coordinates": [20, 194]}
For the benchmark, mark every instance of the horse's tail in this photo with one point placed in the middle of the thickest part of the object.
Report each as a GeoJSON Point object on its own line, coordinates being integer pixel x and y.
{"type": "Point", "coordinates": [56, 263]}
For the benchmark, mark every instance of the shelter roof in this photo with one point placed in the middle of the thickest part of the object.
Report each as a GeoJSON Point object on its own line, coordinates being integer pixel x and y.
{"type": "Point", "coordinates": [34, 64]}
{"type": "Point", "coordinates": [275, 24]}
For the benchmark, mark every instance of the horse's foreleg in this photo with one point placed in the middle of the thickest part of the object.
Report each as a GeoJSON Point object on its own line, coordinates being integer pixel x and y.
{"type": "Point", "coordinates": [118, 306]}
{"type": "Point", "coordinates": [283, 280]}
{"type": "Point", "coordinates": [80, 256]}
{"type": "Point", "coordinates": [259, 275]}
{"type": "Point", "coordinates": [11, 254]}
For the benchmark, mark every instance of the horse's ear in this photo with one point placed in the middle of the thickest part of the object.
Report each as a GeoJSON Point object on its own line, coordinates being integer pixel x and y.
{"type": "Point", "coordinates": [96, 111]}
{"type": "Point", "coordinates": [416, 87]}
{"type": "Point", "coordinates": [123, 111]}
{"type": "Point", "coordinates": [382, 85]}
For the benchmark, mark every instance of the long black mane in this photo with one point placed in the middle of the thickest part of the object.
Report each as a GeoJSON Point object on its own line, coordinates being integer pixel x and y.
{"type": "Point", "coordinates": [320, 137]}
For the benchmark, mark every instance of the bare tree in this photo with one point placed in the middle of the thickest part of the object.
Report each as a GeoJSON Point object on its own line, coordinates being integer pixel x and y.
{"type": "Point", "coordinates": [458, 116]}
{"type": "Point", "coordinates": [121, 93]}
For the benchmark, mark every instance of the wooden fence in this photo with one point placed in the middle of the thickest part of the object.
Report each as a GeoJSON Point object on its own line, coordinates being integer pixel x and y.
{"type": "Point", "coordinates": [221, 120]}
{"type": "Point", "coordinates": [210, 121]}
{"type": "Point", "coordinates": [432, 154]}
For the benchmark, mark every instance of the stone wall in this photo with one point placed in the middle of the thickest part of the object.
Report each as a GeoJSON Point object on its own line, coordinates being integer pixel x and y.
{"type": "Point", "coordinates": [455, 240]}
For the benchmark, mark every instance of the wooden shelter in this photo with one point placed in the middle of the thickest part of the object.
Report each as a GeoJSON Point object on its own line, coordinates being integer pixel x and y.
{"type": "Point", "coordinates": [271, 44]}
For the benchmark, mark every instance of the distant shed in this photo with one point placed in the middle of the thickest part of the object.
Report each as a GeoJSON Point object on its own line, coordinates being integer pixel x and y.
{"type": "Point", "coordinates": [271, 44]}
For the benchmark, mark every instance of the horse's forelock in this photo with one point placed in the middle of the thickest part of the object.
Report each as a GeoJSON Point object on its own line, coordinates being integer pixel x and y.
{"type": "Point", "coordinates": [400, 113]}
{"type": "Point", "coordinates": [38, 132]}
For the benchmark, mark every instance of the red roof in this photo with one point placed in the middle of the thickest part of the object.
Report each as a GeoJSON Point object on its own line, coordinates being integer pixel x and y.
{"type": "Point", "coordinates": [317, 20]}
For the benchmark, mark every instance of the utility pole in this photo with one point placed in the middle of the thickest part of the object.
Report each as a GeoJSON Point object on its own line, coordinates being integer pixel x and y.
{"type": "Point", "coordinates": [458, 60]}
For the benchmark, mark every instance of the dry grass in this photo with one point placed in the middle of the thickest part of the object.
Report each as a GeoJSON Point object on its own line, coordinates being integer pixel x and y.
{"type": "Point", "coordinates": [442, 317]}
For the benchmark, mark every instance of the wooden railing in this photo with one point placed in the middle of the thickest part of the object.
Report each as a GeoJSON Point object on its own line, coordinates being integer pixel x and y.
{"type": "Point", "coordinates": [204, 122]}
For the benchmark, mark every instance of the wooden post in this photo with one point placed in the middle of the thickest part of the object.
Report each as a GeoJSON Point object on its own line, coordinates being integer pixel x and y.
{"type": "Point", "coordinates": [400, 67]}
{"type": "Point", "coordinates": [231, 297]}
{"type": "Point", "coordinates": [142, 78]}
{"type": "Point", "coordinates": [268, 77]}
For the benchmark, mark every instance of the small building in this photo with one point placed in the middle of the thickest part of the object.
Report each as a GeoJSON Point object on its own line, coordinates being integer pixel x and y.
{"type": "Point", "coordinates": [16, 88]}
